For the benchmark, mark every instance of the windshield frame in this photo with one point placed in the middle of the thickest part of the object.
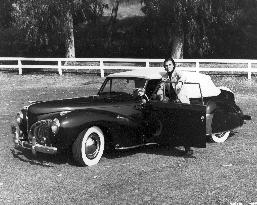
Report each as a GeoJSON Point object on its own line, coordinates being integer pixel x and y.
{"type": "Point", "coordinates": [111, 81]}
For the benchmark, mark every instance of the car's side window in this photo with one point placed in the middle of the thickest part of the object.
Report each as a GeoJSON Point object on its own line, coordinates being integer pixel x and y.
{"type": "Point", "coordinates": [123, 85]}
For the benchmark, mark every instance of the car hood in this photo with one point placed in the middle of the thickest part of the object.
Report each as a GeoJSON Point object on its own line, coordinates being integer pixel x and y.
{"type": "Point", "coordinates": [96, 102]}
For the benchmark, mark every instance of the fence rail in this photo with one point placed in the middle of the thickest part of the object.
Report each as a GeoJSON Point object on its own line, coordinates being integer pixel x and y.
{"type": "Point", "coordinates": [198, 65]}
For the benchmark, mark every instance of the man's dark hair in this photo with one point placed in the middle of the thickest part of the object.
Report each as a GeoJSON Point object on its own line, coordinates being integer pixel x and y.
{"type": "Point", "coordinates": [169, 59]}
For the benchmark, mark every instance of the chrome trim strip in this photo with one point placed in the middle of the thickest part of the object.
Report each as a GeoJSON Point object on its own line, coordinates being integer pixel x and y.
{"type": "Point", "coordinates": [136, 146]}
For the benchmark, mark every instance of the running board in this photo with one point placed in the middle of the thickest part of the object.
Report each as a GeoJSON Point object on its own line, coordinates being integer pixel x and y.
{"type": "Point", "coordinates": [136, 146]}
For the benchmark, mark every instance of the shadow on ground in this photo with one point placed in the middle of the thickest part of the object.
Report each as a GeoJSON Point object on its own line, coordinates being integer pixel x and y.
{"type": "Point", "coordinates": [151, 149]}
{"type": "Point", "coordinates": [40, 159]}
{"type": "Point", "coordinates": [46, 160]}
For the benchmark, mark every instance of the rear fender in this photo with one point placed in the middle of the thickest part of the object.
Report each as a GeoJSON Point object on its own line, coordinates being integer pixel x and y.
{"type": "Point", "coordinates": [227, 94]}
{"type": "Point", "coordinates": [225, 88]}
{"type": "Point", "coordinates": [212, 108]}
{"type": "Point", "coordinates": [223, 116]}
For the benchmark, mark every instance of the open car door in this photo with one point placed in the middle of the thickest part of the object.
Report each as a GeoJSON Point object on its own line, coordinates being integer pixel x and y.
{"type": "Point", "coordinates": [178, 123]}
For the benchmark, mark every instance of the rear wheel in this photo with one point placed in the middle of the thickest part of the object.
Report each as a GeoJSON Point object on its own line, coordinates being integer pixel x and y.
{"type": "Point", "coordinates": [220, 137]}
{"type": "Point", "coordinates": [88, 148]}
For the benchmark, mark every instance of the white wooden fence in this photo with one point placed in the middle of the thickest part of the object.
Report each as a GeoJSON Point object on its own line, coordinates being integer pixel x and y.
{"type": "Point", "coordinates": [198, 65]}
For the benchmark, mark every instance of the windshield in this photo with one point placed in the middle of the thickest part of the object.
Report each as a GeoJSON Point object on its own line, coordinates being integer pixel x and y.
{"type": "Point", "coordinates": [122, 85]}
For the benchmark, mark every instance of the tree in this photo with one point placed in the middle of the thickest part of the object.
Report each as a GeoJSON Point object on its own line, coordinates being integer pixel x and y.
{"type": "Point", "coordinates": [51, 22]}
{"type": "Point", "coordinates": [111, 23]}
{"type": "Point", "coordinates": [189, 23]}
{"type": "Point", "coordinates": [5, 13]}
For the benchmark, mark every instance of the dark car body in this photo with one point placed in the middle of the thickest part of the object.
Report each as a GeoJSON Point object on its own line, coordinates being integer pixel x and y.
{"type": "Point", "coordinates": [117, 118]}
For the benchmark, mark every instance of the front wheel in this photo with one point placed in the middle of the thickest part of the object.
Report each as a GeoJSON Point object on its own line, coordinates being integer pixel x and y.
{"type": "Point", "coordinates": [220, 137]}
{"type": "Point", "coordinates": [88, 148]}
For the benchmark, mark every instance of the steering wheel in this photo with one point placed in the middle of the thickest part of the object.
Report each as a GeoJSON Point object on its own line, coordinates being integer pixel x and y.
{"type": "Point", "coordinates": [145, 97]}
{"type": "Point", "coordinates": [140, 92]}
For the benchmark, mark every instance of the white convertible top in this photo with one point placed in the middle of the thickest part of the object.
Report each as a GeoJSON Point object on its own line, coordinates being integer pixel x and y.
{"type": "Point", "coordinates": [146, 73]}
{"type": "Point", "coordinates": [208, 88]}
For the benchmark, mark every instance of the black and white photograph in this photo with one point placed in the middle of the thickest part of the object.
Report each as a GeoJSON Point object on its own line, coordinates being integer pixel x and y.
{"type": "Point", "coordinates": [128, 102]}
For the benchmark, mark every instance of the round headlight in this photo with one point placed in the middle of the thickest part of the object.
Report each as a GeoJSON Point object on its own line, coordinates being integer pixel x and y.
{"type": "Point", "coordinates": [55, 126]}
{"type": "Point", "coordinates": [19, 117]}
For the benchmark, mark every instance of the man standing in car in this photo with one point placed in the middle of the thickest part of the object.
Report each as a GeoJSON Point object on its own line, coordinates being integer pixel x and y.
{"type": "Point", "coordinates": [173, 76]}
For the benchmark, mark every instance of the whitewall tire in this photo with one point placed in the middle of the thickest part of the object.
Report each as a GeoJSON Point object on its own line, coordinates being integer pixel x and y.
{"type": "Point", "coordinates": [220, 137]}
{"type": "Point", "coordinates": [88, 148]}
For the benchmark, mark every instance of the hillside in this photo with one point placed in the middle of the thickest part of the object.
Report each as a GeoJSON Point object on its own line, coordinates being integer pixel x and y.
{"type": "Point", "coordinates": [127, 8]}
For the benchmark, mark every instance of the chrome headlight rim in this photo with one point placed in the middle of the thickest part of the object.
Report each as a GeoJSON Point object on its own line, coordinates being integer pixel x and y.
{"type": "Point", "coordinates": [19, 117]}
{"type": "Point", "coordinates": [55, 126]}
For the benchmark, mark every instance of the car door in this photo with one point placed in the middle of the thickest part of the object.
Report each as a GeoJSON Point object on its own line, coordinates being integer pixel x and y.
{"type": "Point", "coordinates": [173, 122]}
{"type": "Point", "coordinates": [178, 123]}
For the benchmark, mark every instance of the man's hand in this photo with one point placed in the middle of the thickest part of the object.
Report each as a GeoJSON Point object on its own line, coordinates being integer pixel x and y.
{"type": "Point", "coordinates": [164, 79]}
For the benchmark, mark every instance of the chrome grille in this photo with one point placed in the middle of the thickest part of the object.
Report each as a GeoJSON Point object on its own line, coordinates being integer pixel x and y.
{"type": "Point", "coordinates": [41, 130]}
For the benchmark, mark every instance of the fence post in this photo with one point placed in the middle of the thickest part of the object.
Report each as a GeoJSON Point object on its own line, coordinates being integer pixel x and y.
{"type": "Point", "coordinates": [197, 66]}
{"type": "Point", "coordinates": [60, 67]}
{"type": "Point", "coordinates": [249, 70]}
{"type": "Point", "coordinates": [147, 64]}
{"type": "Point", "coordinates": [102, 68]}
{"type": "Point", "coordinates": [20, 66]}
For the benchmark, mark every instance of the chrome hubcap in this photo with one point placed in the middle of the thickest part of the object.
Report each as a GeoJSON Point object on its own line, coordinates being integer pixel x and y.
{"type": "Point", "coordinates": [220, 135]}
{"type": "Point", "coordinates": [92, 146]}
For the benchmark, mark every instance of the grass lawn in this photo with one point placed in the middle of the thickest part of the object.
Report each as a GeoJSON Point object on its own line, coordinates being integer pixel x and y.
{"type": "Point", "coordinates": [220, 174]}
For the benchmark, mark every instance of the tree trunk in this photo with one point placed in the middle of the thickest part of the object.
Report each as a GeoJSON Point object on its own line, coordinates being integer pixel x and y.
{"type": "Point", "coordinates": [177, 47]}
{"type": "Point", "coordinates": [112, 21]}
{"type": "Point", "coordinates": [69, 41]}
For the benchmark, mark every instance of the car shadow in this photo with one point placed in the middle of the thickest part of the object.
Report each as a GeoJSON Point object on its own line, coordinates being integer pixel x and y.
{"type": "Point", "coordinates": [46, 160]}
{"type": "Point", "coordinates": [41, 159]}
{"type": "Point", "coordinates": [150, 149]}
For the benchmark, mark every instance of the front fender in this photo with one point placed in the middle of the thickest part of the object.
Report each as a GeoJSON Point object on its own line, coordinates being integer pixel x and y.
{"type": "Point", "coordinates": [75, 122]}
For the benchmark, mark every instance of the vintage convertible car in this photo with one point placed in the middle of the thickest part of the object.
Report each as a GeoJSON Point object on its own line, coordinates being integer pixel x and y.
{"type": "Point", "coordinates": [126, 113]}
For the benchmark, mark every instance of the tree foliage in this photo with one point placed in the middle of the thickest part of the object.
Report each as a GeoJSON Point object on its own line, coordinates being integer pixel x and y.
{"type": "Point", "coordinates": [5, 13]}
{"type": "Point", "coordinates": [196, 28]}
{"type": "Point", "coordinates": [199, 22]}
{"type": "Point", "coordinates": [50, 23]}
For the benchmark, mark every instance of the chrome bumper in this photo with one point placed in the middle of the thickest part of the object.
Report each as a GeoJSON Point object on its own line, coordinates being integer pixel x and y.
{"type": "Point", "coordinates": [34, 146]}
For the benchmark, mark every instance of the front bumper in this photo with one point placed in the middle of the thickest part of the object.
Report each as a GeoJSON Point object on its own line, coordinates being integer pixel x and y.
{"type": "Point", "coordinates": [19, 142]}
